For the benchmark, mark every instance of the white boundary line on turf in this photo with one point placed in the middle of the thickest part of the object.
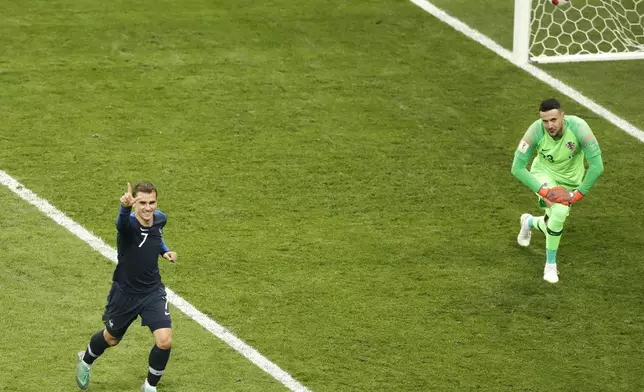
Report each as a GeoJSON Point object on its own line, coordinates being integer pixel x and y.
{"type": "Point", "coordinates": [531, 69]}
{"type": "Point", "coordinates": [100, 246]}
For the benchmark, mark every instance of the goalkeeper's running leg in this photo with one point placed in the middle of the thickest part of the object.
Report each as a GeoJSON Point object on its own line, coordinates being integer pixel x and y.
{"type": "Point", "coordinates": [552, 226]}
{"type": "Point", "coordinates": [527, 221]}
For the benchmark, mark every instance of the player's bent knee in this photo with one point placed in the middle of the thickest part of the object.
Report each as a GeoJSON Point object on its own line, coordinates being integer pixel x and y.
{"type": "Point", "coordinates": [163, 338]}
{"type": "Point", "coordinates": [111, 340]}
{"type": "Point", "coordinates": [165, 344]}
{"type": "Point", "coordinates": [559, 212]}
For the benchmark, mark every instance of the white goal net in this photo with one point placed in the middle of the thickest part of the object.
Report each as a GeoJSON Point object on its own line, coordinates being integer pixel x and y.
{"type": "Point", "coordinates": [585, 30]}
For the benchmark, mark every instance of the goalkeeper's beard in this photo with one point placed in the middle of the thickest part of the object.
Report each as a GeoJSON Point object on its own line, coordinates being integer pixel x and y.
{"type": "Point", "coordinates": [555, 132]}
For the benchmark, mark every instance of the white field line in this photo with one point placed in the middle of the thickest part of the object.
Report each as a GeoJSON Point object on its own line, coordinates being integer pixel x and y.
{"type": "Point", "coordinates": [215, 328]}
{"type": "Point", "coordinates": [100, 246]}
{"type": "Point", "coordinates": [531, 69]}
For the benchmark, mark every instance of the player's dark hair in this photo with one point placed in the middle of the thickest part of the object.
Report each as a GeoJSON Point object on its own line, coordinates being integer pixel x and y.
{"type": "Point", "coordinates": [549, 104]}
{"type": "Point", "coordinates": [145, 187]}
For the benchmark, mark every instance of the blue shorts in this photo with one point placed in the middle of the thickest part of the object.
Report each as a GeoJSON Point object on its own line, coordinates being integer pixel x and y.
{"type": "Point", "coordinates": [123, 308]}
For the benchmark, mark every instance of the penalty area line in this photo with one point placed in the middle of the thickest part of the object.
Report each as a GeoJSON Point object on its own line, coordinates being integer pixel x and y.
{"type": "Point", "coordinates": [189, 310]}
{"type": "Point", "coordinates": [538, 73]}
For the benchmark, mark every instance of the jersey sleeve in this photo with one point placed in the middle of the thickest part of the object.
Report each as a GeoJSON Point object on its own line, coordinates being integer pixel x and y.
{"type": "Point", "coordinates": [529, 141]}
{"type": "Point", "coordinates": [123, 223]}
{"type": "Point", "coordinates": [589, 145]}
{"type": "Point", "coordinates": [525, 150]}
{"type": "Point", "coordinates": [163, 218]}
{"type": "Point", "coordinates": [595, 169]}
{"type": "Point", "coordinates": [164, 248]}
{"type": "Point", "coordinates": [160, 218]}
{"type": "Point", "coordinates": [587, 141]}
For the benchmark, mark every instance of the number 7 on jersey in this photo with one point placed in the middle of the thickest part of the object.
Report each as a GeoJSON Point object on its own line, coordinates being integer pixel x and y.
{"type": "Point", "coordinates": [145, 237]}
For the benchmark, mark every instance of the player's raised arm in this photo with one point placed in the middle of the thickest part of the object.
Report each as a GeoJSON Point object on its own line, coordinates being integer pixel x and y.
{"type": "Point", "coordinates": [127, 201]}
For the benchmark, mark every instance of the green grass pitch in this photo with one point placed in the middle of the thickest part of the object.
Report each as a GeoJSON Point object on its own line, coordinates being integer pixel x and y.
{"type": "Point", "coordinates": [337, 180]}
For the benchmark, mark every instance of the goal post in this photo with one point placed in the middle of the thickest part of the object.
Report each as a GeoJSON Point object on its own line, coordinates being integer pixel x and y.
{"type": "Point", "coordinates": [580, 30]}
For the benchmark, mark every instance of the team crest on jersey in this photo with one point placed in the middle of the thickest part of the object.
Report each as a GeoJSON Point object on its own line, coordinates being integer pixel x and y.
{"type": "Point", "coordinates": [571, 146]}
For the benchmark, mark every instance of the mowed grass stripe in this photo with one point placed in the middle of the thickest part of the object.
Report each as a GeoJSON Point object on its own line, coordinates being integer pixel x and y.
{"type": "Point", "coordinates": [337, 181]}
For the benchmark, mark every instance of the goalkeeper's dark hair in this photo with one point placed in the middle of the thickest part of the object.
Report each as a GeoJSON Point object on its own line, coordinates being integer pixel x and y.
{"type": "Point", "coordinates": [549, 104]}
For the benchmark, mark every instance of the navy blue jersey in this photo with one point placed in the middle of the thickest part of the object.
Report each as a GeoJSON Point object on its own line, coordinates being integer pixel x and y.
{"type": "Point", "coordinates": [139, 247]}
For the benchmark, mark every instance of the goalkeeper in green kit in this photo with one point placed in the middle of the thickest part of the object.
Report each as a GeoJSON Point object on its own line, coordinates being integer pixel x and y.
{"type": "Point", "coordinates": [557, 174]}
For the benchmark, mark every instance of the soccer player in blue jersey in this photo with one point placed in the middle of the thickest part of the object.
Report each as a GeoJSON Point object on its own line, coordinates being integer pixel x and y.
{"type": "Point", "coordinates": [137, 289]}
{"type": "Point", "coordinates": [557, 175]}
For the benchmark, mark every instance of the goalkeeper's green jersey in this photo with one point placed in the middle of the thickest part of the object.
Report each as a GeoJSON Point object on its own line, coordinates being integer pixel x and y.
{"type": "Point", "coordinates": [561, 160]}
